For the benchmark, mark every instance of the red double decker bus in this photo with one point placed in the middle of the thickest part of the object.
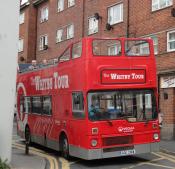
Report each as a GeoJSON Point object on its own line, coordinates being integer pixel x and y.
{"type": "Point", "coordinates": [99, 100]}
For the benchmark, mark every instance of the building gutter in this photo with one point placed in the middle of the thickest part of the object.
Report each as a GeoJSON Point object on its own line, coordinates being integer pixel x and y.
{"type": "Point", "coordinates": [24, 5]}
{"type": "Point", "coordinates": [38, 2]}
{"type": "Point", "coordinates": [127, 21]}
{"type": "Point", "coordinates": [83, 17]}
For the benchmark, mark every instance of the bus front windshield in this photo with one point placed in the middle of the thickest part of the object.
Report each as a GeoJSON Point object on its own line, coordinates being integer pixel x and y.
{"type": "Point", "coordinates": [136, 105]}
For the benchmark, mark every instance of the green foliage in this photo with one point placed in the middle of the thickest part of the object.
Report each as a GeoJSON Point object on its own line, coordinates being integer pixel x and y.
{"type": "Point", "coordinates": [4, 165]}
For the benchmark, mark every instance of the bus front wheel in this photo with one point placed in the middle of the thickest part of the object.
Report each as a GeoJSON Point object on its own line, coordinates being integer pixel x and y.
{"type": "Point", "coordinates": [64, 147]}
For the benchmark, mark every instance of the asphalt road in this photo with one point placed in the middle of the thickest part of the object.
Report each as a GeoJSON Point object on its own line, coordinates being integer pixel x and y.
{"type": "Point", "coordinates": [158, 160]}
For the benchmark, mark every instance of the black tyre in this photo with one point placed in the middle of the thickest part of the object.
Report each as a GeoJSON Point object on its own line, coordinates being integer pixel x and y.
{"type": "Point", "coordinates": [65, 147]}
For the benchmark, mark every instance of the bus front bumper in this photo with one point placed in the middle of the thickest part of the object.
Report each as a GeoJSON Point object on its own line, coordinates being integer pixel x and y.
{"type": "Point", "coordinates": [113, 152]}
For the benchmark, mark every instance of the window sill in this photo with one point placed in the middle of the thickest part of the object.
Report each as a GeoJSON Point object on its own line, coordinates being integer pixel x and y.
{"type": "Point", "coordinates": [21, 51]}
{"type": "Point", "coordinates": [65, 9]}
{"type": "Point", "coordinates": [68, 38]}
{"type": "Point", "coordinates": [40, 50]}
{"type": "Point", "coordinates": [71, 6]}
{"type": "Point", "coordinates": [43, 21]}
{"type": "Point", "coordinates": [59, 41]}
{"type": "Point", "coordinates": [114, 24]}
{"type": "Point", "coordinates": [161, 9]}
{"type": "Point", "coordinates": [169, 51]}
{"type": "Point", "coordinates": [89, 34]}
{"type": "Point", "coordinates": [64, 40]}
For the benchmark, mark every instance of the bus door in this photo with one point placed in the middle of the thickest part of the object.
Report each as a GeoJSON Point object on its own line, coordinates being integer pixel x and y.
{"type": "Point", "coordinates": [78, 130]}
{"type": "Point", "coordinates": [35, 120]}
{"type": "Point", "coordinates": [47, 120]}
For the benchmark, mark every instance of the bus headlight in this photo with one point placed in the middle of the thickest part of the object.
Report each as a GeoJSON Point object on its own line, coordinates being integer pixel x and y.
{"type": "Point", "coordinates": [156, 136]}
{"type": "Point", "coordinates": [93, 143]}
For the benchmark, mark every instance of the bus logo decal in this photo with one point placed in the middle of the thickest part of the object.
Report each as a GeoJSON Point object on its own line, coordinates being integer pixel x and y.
{"type": "Point", "coordinates": [49, 83]}
{"type": "Point", "coordinates": [122, 76]}
{"type": "Point", "coordinates": [126, 129]}
{"type": "Point", "coordinates": [21, 117]}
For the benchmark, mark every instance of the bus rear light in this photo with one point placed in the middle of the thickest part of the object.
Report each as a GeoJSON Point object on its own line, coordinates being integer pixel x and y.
{"type": "Point", "coordinates": [156, 136]}
{"type": "Point", "coordinates": [93, 143]}
{"type": "Point", "coordinates": [95, 130]}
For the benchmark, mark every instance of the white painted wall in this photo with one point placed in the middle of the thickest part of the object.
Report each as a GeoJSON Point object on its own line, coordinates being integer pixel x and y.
{"type": "Point", "coordinates": [9, 28]}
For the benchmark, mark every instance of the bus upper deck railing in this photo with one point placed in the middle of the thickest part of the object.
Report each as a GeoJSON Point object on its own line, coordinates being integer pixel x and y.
{"type": "Point", "coordinates": [132, 47]}
{"type": "Point", "coordinates": [30, 68]}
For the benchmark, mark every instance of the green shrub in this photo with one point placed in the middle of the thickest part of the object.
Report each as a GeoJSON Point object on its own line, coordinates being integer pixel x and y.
{"type": "Point", "coordinates": [4, 165]}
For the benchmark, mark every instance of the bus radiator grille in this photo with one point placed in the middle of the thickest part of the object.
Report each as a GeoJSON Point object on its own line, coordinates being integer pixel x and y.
{"type": "Point", "coordinates": [107, 150]}
{"type": "Point", "coordinates": [119, 140]}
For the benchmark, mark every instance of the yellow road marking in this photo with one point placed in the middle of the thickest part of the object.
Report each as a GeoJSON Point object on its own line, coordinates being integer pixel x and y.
{"type": "Point", "coordinates": [39, 151]}
{"type": "Point", "coordinates": [167, 150]}
{"type": "Point", "coordinates": [143, 163]}
{"type": "Point", "coordinates": [65, 163]}
{"type": "Point", "coordinates": [158, 165]}
{"type": "Point", "coordinates": [165, 156]}
{"type": "Point", "coordinates": [31, 148]}
{"type": "Point", "coordinates": [53, 162]}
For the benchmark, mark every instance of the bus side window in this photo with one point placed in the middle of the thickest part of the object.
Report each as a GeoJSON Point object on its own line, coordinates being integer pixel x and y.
{"type": "Point", "coordinates": [78, 105]}
{"type": "Point", "coordinates": [65, 56]}
{"type": "Point", "coordinates": [36, 105]}
{"type": "Point", "coordinates": [47, 105]}
{"type": "Point", "coordinates": [76, 50]}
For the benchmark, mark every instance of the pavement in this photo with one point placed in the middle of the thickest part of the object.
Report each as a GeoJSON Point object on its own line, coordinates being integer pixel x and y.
{"type": "Point", "coordinates": [22, 161]}
{"type": "Point", "coordinates": [168, 146]}
{"type": "Point", "coordinates": [33, 161]}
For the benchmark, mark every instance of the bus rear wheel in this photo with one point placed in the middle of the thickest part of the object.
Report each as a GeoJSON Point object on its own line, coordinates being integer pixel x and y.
{"type": "Point", "coordinates": [65, 147]}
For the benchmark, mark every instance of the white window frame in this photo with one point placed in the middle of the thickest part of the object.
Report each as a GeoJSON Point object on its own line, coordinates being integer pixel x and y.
{"type": "Point", "coordinates": [21, 45]}
{"type": "Point", "coordinates": [43, 41]}
{"type": "Point", "coordinates": [155, 44]}
{"type": "Point", "coordinates": [157, 3]}
{"type": "Point", "coordinates": [60, 37]}
{"type": "Point", "coordinates": [60, 5]}
{"type": "Point", "coordinates": [21, 18]}
{"type": "Point", "coordinates": [71, 3]}
{"type": "Point", "coordinates": [68, 30]}
{"type": "Point", "coordinates": [169, 41]}
{"type": "Point", "coordinates": [92, 25]}
{"type": "Point", "coordinates": [44, 14]}
{"type": "Point", "coordinates": [111, 9]}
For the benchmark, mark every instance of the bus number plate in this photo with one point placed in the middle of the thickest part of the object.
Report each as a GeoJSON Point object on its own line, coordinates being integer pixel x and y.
{"type": "Point", "coordinates": [127, 152]}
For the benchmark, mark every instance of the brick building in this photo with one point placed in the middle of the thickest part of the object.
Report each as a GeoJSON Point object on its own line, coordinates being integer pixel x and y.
{"type": "Point", "coordinates": [50, 25]}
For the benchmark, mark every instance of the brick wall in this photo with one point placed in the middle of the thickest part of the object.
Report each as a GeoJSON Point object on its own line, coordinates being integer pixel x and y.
{"type": "Point", "coordinates": [58, 20]}
{"type": "Point", "coordinates": [23, 34]}
{"type": "Point", "coordinates": [76, 14]}
{"type": "Point", "coordinates": [27, 31]}
{"type": "Point", "coordinates": [167, 107]}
